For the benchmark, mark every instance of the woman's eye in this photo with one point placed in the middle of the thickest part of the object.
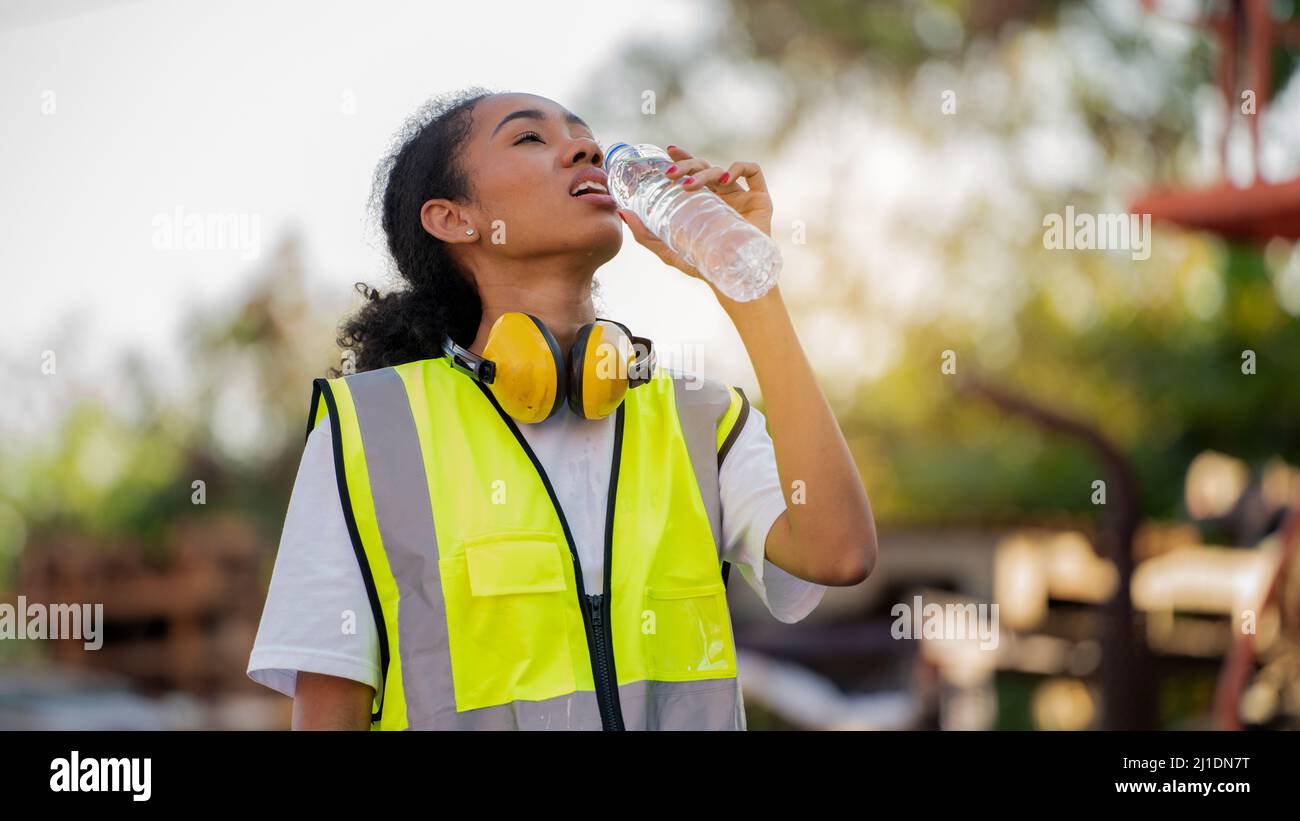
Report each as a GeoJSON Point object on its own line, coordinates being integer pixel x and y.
{"type": "Point", "coordinates": [528, 134]}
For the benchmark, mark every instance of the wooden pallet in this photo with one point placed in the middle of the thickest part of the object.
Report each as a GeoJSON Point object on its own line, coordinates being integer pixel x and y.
{"type": "Point", "coordinates": [185, 620]}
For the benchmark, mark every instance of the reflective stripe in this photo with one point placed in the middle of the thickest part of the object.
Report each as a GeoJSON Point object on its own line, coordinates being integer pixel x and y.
{"type": "Point", "coordinates": [575, 711]}
{"type": "Point", "coordinates": [711, 704]}
{"type": "Point", "coordinates": [647, 705]}
{"type": "Point", "coordinates": [699, 409]}
{"type": "Point", "coordinates": [401, 499]}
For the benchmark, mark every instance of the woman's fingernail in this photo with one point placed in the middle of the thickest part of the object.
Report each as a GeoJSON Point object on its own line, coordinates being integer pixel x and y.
{"type": "Point", "coordinates": [671, 147]}
{"type": "Point", "coordinates": [672, 168]}
{"type": "Point", "coordinates": [688, 180]}
{"type": "Point", "coordinates": [724, 177]}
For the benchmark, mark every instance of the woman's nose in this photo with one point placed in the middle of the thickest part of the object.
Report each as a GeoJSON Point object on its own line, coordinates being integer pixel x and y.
{"type": "Point", "coordinates": [583, 148]}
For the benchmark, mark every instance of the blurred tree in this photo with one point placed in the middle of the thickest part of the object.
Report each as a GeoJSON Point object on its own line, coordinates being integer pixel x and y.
{"type": "Point", "coordinates": [127, 470]}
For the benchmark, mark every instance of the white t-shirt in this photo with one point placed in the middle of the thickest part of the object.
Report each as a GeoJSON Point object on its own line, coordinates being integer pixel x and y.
{"type": "Point", "coordinates": [316, 581]}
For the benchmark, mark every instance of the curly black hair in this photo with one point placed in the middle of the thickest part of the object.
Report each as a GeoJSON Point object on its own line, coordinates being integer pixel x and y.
{"type": "Point", "coordinates": [438, 296]}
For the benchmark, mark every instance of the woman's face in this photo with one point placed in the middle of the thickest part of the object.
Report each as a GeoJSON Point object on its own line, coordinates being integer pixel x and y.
{"type": "Point", "coordinates": [524, 156]}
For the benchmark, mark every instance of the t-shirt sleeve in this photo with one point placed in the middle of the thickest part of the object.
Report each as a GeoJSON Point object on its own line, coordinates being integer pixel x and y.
{"type": "Point", "coordinates": [317, 616]}
{"type": "Point", "coordinates": [751, 502]}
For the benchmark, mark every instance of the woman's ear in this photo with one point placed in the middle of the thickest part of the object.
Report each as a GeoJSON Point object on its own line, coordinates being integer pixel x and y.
{"type": "Point", "coordinates": [443, 219]}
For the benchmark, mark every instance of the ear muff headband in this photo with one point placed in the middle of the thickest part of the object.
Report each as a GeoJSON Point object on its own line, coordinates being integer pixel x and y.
{"type": "Point", "coordinates": [466, 361]}
{"type": "Point", "coordinates": [644, 360]}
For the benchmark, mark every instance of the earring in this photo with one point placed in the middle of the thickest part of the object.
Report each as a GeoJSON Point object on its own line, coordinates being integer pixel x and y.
{"type": "Point", "coordinates": [469, 230]}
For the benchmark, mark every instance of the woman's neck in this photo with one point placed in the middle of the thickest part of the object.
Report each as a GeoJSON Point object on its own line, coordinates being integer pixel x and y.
{"type": "Point", "coordinates": [563, 304]}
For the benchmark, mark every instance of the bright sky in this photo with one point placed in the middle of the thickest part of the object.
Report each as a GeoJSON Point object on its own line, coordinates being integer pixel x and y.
{"type": "Point", "coordinates": [118, 112]}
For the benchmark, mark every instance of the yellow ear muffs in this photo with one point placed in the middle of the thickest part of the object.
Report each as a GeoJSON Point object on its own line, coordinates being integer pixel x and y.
{"type": "Point", "coordinates": [599, 364]}
{"type": "Point", "coordinates": [531, 378]}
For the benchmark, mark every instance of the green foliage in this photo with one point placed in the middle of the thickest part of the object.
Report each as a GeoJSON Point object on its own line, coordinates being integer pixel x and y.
{"type": "Point", "coordinates": [1149, 353]}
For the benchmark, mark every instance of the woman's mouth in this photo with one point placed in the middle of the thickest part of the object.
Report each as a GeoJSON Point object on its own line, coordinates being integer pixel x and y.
{"type": "Point", "coordinates": [593, 192]}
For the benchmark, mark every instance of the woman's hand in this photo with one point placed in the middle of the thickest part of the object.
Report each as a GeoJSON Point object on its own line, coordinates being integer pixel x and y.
{"type": "Point", "coordinates": [692, 173]}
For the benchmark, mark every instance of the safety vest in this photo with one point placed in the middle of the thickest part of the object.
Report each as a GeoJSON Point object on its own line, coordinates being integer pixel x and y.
{"type": "Point", "coordinates": [473, 578]}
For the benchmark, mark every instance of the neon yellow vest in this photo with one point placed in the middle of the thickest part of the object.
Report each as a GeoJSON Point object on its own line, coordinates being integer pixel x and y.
{"type": "Point", "coordinates": [473, 577]}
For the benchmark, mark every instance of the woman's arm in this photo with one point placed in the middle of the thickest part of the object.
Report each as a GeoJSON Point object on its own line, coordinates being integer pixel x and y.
{"type": "Point", "coordinates": [827, 534]}
{"type": "Point", "coordinates": [322, 702]}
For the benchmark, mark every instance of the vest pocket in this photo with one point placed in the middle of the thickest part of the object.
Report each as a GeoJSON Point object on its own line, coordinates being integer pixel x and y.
{"type": "Point", "coordinates": [507, 621]}
{"type": "Point", "coordinates": [519, 565]}
{"type": "Point", "coordinates": [691, 637]}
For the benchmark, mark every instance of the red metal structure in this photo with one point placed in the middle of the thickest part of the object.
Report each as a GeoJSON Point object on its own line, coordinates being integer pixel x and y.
{"type": "Point", "coordinates": [1259, 212]}
{"type": "Point", "coordinates": [1247, 36]}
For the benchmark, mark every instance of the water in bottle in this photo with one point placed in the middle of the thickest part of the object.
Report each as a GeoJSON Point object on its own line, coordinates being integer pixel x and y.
{"type": "Point", "coordinates": [710, 235]}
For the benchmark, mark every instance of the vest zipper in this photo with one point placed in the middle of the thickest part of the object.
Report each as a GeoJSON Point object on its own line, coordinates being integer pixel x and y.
{"type": "Point", "coordinates": [603, 662]}
{"type": "Point", "coordinates": [595, 609]}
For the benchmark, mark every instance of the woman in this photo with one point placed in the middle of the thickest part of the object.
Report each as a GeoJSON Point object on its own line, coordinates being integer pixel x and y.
{"type": "Point", "coordinates": [451, 561]}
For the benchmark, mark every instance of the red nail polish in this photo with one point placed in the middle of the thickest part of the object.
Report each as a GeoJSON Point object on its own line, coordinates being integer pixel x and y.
{"type": "Point", "coordinates": [672, 168]}
{"type": "Point", "coordinates": [724, 178]}
{"type": "Point", "coordinates": [671, 147]}
{"type": "Point", "coordinates": [688, 180]}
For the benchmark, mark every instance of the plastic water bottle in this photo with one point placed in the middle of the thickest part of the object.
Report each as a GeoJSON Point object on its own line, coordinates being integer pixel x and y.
{"type": "Point", "coordinates": [710, 235]}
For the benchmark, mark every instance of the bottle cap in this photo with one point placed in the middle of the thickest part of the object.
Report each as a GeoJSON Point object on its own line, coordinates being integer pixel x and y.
{"type": "Point", "coordinates": [611, 150]}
